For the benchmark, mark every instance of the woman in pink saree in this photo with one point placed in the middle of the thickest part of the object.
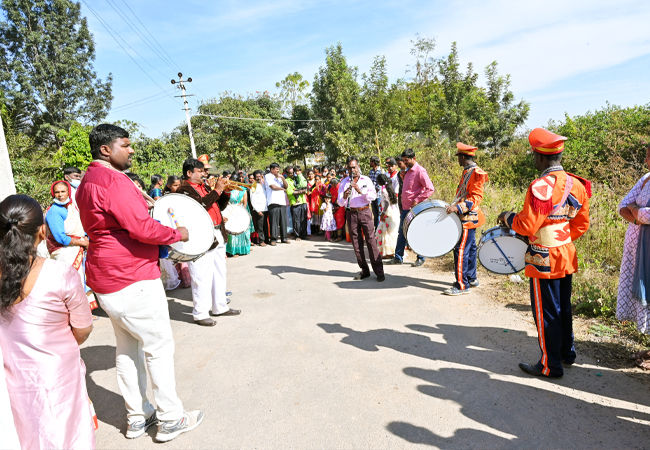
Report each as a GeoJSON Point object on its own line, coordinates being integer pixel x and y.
{"type": "Point", "coordinates": [44, 316]}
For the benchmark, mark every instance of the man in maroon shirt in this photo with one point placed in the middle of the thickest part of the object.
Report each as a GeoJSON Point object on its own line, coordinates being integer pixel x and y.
{"type": "Point", "coordinates": [209, 271]}
{"type": "Point", "coordinates": [122, 269]}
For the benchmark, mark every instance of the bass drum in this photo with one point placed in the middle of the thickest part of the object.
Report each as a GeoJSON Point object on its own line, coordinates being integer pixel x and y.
{"type": "Point", "coordinates": [189, 214]}
{"type": "Point", "coordinates": [238, 219]}
{"type": "Point", "coordinates": [430, 231]}
{"type": "Point", "coordinates": [502, 251]}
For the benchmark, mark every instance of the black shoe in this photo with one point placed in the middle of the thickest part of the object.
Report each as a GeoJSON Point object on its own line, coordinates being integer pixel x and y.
{"type": "Point", "coordinates": [568, 362]}
{"type": "Point", "coordinates": [205, 322]}
{"type": "Point", "coordinates": [361, 276]}
{"type": "Point", "coordinates": [533, 370]}
{"type": "Point", "coordinates": [381, 277]}
{"type": "Point", "coordinates": [393, 261]}
{"type": "Point", "coordinates": [418, 262]}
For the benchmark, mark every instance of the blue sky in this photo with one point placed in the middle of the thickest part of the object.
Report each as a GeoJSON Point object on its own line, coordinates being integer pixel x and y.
{"type": "Point", "coordinates": [563, 56]}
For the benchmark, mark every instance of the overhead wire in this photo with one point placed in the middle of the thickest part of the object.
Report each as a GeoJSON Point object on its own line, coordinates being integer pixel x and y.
{"type": "Point", "coordinates": [132, 25]}
{"type": "Point", "coordinates": [101, 21]}
{"type": "Point", "coordinates": [152, 36]}
{"type": "Point", "coordinates": [158, 96]}
{"type": "Point", "coordinates": [134, 50]}
{"type": "Point", "coordinates": [265, 120]}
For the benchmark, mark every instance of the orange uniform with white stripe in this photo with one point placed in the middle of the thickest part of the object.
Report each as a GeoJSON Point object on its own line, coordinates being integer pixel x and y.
{"type": "Point", "coordinates": [552, 227]}
{"type": "Point", "coordinates": [469, 196]}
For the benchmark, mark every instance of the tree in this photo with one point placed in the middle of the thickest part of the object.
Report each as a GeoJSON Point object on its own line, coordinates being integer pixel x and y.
{"type": "Point", "coordinates": [424, 87]}
{"type": "Point", "coordinates": [302, 141]}
{"type": "Point", "coordinates": [234, 141]}
{"type": "Point", "coordinates": [46, 67]}
{"type": "Point", "coordinates": [456, 89]}
{"type": "Point", "coordinates": [495, 112]}
{"type": "Point", "coordinates": [292, 90]}
{"type": "Point", "coordinates": [334, 100]}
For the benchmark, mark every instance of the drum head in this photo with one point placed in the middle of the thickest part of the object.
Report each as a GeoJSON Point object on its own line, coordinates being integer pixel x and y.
{"type": "Point", "coordinates": [189, 214]}
{"type": "Point", "coordinates": [493, 260]}
{"type": "Point", "coordinates": [431, 235]}
{"type": "Point", "coordinates": [238, 219]}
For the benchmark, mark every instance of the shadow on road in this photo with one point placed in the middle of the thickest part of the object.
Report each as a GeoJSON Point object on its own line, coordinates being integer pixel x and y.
{"type": "Point", "coordinates": [109, 406]}
{"type": "Point", "coordinates": [179, 311]}
{"type": "Point", "coordinates": [510, 413]}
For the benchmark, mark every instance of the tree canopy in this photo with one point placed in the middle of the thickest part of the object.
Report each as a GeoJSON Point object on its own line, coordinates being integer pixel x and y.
{"type": "Point", "coordinates": [46, 68]}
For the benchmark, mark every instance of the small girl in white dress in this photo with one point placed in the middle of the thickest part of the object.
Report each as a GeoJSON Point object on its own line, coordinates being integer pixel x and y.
{"type": "Point", "coordinates": [328, 223]}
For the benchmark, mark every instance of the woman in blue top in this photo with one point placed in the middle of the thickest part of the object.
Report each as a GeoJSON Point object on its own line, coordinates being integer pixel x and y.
{"type": "Point", "coordinates": [240, 244]}
{"type": "Point", "coordinates": [66, 238]}
{"type": "Point", "coordinates": [155, 190]}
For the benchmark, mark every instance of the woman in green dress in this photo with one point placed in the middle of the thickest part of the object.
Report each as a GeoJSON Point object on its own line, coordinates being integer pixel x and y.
{"type": "Point", "coordinates": [240, 244]}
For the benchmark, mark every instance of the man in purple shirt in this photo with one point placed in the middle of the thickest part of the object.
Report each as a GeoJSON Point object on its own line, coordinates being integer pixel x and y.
{"type": "Point", "coordinates": [356, 192]}
{"type": "Point", "coordinates": [417, 188]}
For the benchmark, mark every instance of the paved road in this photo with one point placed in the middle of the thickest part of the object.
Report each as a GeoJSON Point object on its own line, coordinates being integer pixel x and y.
{"type": "Point", "coordinates": [317, 360]}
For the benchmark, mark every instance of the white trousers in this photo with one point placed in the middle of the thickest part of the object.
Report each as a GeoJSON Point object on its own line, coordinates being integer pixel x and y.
{"type": "Point", "coordinates": [140, 318]}
{"type": "Point", "coordinates": [209, 282]}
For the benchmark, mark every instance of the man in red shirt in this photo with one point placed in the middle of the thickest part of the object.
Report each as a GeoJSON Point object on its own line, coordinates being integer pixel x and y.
{"type": "Point", "coordinates": [122, 269]}
{"type": "Point", "coordinates": [209, 271]}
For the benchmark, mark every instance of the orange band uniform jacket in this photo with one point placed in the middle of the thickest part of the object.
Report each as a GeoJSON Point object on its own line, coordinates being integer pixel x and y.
{"type": "Point", "coordinates": [552, 227]}
{"type": "Point", "coordinates": [469, 196]}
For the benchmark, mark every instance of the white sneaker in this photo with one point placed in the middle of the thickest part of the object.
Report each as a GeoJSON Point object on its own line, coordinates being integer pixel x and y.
{"type": "Point", "coordinates": [135, 430]}
{"type": "Point", "coordinates": [170, 430]}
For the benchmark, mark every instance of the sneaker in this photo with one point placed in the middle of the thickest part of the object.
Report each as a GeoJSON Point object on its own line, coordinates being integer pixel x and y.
{"type": "Point", "coordinates": [474, 283]}
{"type": "Point", "coordinates": [170, 430]}
{"type": "Point", "coordinates": [394, 261]}
{"type": "Point", "coordinates": [135, 430]}
{"type": "Point", "coordinates": [455, 291]}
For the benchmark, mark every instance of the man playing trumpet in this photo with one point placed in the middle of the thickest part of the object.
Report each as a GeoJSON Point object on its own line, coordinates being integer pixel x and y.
{"type": "Point", "coordinates": [209, 271]}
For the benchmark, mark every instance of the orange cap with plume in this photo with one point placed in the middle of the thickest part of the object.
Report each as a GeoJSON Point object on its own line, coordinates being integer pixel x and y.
{"type": "Point", "coordinates": [204, 159]}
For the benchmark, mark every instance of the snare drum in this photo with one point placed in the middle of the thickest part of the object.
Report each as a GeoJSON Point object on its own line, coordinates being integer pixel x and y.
{"type": "Point", "coordinates": [502, 251]}
{"type": "Point", "coordinates": [238, 219]}
{"type": "Point", "coordinates": [430, 231]}
{"type": "Point", "coordinates": [189, 214]}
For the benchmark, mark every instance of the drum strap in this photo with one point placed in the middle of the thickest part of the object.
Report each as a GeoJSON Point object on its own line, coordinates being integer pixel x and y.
{"type": "Point", "coordinates": [462, 189]}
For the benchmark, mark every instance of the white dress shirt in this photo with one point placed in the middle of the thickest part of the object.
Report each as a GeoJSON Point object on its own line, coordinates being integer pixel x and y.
{"type": "Point", "coordinates": [273, 196]}
{"type": "Point", "coordinates": [258, 197]}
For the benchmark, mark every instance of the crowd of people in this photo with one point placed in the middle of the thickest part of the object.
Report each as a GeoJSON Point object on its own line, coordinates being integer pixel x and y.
{"type": "Point", "coordinates": [98, 245]}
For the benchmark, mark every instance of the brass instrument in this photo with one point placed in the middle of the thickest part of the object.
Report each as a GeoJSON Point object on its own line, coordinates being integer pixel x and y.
{"type": "Point", "coordinates": [237, 186]}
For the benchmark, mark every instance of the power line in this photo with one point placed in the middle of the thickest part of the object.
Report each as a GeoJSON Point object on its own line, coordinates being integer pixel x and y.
{"type": "Point", "coordinates": [265, 120]}
{"type": "Point", "coordinates": [158, 96]}
{"type": "Point", "coordinates": [134, 50]}
{"type": "Point", "coordinates": [152, 37]}
{"type": "Point", "coordinates": [101, 21]}
{"type": "Point", "coordinates": [131, 25]}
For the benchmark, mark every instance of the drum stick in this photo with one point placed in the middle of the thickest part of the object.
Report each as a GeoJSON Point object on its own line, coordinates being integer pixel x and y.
{"type": "Point", "coordinates": [171, 213]}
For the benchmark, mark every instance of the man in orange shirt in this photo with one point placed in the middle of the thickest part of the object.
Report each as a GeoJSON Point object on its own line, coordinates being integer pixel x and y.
{"type": "Point", "coordinates": [466, 204]}
{"type": "Point", "coordinates": [555, 213]}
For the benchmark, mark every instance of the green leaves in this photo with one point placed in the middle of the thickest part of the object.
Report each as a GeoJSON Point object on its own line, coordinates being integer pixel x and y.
{"type": "Point", "coordinates": [46, 68]}
{"type": "Point", "coordinates": [238, 142]}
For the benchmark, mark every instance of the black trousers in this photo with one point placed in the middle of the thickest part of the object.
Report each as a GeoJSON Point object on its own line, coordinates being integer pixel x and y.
{"type": "Point", "coordinates": [260, 225]}
{"type": "Point", "coordinates": [362, 221]}
{"type": "Point", "coordinates": [551, 302]}
{"type": "Point", "coordinates": [375, 213]}
{"type": "Point", "coordinates": [299, 217]}
{"type": "Point", "coordinates": [278, 222]}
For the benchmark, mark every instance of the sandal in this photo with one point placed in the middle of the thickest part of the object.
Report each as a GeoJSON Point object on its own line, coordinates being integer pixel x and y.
{"type": "Point", "coordinates": [273, 243]}
{"type": "Point", "coordinates": [262, 244]}
{"type": "Point", "coordinates": [639, 355]}
{"type": "Point", "coordinates": [643, 363]}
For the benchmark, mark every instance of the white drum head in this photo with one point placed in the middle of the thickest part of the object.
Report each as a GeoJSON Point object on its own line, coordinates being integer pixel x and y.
{"type": "Point", "coordinates": [494, 261]}
{"type": "Point", "coordinates": [430, 238]}
{"type": "Point", "coordinates": [238, 219]}
{"type": "Point", "coordinates": [189, 214]}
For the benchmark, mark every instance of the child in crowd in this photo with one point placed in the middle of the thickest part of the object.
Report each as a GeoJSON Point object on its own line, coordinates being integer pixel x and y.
{"type": "Point", "coordinates": [328, 223]}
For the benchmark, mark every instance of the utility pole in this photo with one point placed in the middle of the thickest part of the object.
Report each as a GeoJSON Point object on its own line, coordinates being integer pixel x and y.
{"type": "Point", "coordinates": [8, 187]}
{"type": "Point", "coordinates": [181, 86]}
